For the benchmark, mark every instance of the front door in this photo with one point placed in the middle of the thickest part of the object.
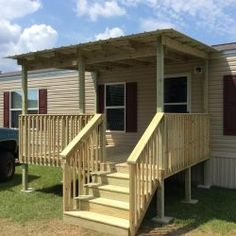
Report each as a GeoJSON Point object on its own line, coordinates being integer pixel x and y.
{"type": "Point", "coordinates": [176, 94]}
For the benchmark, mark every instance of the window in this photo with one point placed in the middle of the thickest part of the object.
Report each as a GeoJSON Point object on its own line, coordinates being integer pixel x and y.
{"type": "Point", "coordinates": [175, 94]}
{"type": "Point", "coordinates": [115, 106]}
{"type": "Point", "coordinates": [16, 105]}
{"type": "Point", "coordinates": [229, 114]}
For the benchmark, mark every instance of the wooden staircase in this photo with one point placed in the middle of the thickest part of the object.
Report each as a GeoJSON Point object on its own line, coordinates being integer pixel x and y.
{"type": "Point", "coordinates": [114, 198]}
{"type": "Point", "coordinates": [105, 206]}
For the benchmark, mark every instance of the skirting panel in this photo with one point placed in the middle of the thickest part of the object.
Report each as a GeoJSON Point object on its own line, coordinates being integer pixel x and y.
{"type": "Point", "coordinates": [224, 172]}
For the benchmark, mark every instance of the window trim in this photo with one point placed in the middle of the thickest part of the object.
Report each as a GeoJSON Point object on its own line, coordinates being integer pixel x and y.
{"type": "Point", "coordinates": [189, 92]}
{"type": "Point", "coordinates": [115, 107]}
{"type": "Point", "coordinates": [20, 109]}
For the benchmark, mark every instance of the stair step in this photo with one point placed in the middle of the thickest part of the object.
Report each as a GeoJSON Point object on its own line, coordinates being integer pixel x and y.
{"type": "Point", "coordinates": [117, 179]}
{"type": "Point", "coordinates": [110, 192]}
{"type": "Point", "coordinates": [114, 188]}
{"type": "Point", "coordinates": [92, 185]}
{"type": "Point", "coordinates": [100, 172]}
{"type": "Point", "coordinates": [111, 203]}
{"type": "Point", "coordinates": [122, 167]}
{"type": "Point", "coordinates": [84, 197]}
{"type": "Point", "coordinates": [98, 222]}
{"type": "Point", "coordinates": [106, 206]}
{"type": "Point", "coordinates": [119, 175]}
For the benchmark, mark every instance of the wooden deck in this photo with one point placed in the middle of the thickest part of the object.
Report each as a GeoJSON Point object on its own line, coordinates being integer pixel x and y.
{"type": "Point", "coordinates": [170, 144]}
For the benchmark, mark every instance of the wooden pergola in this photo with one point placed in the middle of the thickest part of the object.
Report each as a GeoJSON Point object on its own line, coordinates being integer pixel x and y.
{"type": "Point", "coordinates": [158, 47]}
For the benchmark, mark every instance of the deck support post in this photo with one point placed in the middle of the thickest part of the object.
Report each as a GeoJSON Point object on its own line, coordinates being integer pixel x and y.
{"type": "Point", "coordinates": [24, 86]}
{"type": "Point", "coordinates": [161, 218]}
{"type": "Point", "coordinates": [81, 70]}
{"type": "Point", "coordinates": [207, 163]}
{"type": "Point", "coordinates": [188, 188]}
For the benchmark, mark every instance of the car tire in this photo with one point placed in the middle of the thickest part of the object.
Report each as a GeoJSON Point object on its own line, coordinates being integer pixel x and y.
{"type": "Point", "coordinates": [7, 165]}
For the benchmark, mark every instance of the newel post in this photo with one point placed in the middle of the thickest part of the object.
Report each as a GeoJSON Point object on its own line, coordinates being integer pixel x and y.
{"type": "Point", "coordinates": [132, 193]}
{"type": "Point", "coordinates": [65, 186]}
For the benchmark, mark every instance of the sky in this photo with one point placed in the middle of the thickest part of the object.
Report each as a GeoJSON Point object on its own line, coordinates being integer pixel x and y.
{"type": "Point", "coordinates": [31, 25]}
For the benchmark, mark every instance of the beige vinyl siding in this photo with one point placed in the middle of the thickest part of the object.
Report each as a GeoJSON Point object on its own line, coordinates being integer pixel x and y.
{"type": "Point", "coordinates": [146, 80]}
{"type": "Point", "coordinates": [223, 147]}
{"type": "Point", "coordinates": [62, 91]}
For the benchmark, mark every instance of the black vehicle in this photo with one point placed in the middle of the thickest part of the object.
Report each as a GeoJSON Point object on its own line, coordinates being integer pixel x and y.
{"type": "Point", "coordinates": [8, 153]}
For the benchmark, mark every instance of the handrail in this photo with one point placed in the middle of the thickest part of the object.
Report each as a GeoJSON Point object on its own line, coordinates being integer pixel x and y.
{"type": "Point", "coordinates": [83, 155]}
{"type": "Point", "coordinates": [81, 136]}
{"type": "Point", "coordinates": [144, 170]}
{"type": "Point", "coordinates": [171, 143]}
{"type": "Point", "coordinates": [132, 159]}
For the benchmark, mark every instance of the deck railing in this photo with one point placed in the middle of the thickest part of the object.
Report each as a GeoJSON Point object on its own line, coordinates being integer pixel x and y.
{"type": "Point", "coordinates": [171, 143]}
{"type": "Point", "coordinates": [43, 137]}
{"type": "Point", "coordinates": [81, 157]}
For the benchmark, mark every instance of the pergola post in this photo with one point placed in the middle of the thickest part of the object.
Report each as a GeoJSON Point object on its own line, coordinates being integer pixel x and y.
{"type": "Point", "coordinates": [81, 70]}
{"type": "Point", "coordinates": [24, 85]}
{"type": "Point", "coordinates": [160, 76]}
{"type": "Point", "coordinates": [188, 188]}
{"type": "Point", "coordinates": [161, 218]}
{"type": "Point", "coordinates": [207, 164]}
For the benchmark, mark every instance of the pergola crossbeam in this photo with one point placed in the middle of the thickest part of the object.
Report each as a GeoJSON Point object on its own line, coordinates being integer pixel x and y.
{"type": "Point", "coordinates": [183, 47]}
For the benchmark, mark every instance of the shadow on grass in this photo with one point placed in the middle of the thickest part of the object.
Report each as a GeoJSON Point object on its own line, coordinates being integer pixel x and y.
{"type": "Point", "coordinates": [54, 189]}
{"type": "Point", "coordinates": [15, 181]}
{"type": "Point", "coordinates": [216, 209]}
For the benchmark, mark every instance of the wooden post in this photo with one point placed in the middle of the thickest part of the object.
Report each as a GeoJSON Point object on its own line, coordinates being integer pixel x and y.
{"type": "Point", "coordinates": [161, 200]}
{"type": "Point", "coordinates": [81, 69]}
{"type": "Point", "coordinates": [188, 188]}
{"type": "Point", "coordinates": [207, 164]}
{"type": "Point", "coordinates": [104, 127]}
{"type": "Point", "coordinates": [160, 76]}
{"type": "Point", "coordinates": [161, 218]}
{"type": "Point", "coordinates": [24, 86]}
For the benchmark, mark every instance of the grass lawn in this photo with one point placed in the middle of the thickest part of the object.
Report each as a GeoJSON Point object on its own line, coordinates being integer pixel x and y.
{"type": "Point", "coordinates": [215, 214]}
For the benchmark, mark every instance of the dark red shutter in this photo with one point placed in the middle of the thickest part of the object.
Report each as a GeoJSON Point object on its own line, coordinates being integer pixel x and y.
{"type": "Point", "coordinates": [131, 107]}
{"type": "Point", "coordinates": [6, 111]}
{"type": "Point", "coordinates": [100, 100]}
{"type": "Point", "coordinates": [229, 105]}
{"type": "Point", "coordinates": [43, 101]}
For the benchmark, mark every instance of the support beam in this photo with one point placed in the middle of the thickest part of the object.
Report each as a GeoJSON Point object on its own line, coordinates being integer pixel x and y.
{"type": "Point", "coordinates": [81, 69]}
{"type": "Point", "coordinates": [188, 188]}
{"type": "Point", "coordinates": [184, 48]}
{"type": "Point", "coordinates": [161, 218]}
{"type": "Point", "coordinates": [24, 85]}
{"type": "Point", "coordinates": [160, 76]}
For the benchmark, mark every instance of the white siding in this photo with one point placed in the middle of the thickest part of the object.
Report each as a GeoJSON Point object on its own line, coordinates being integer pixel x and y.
{"type": "Point", "coordinates": [223, 148]}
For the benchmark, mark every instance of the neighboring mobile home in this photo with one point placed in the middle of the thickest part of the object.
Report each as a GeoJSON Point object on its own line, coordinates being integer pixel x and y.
{"type": "Point", "coordinates": [155, 90]}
